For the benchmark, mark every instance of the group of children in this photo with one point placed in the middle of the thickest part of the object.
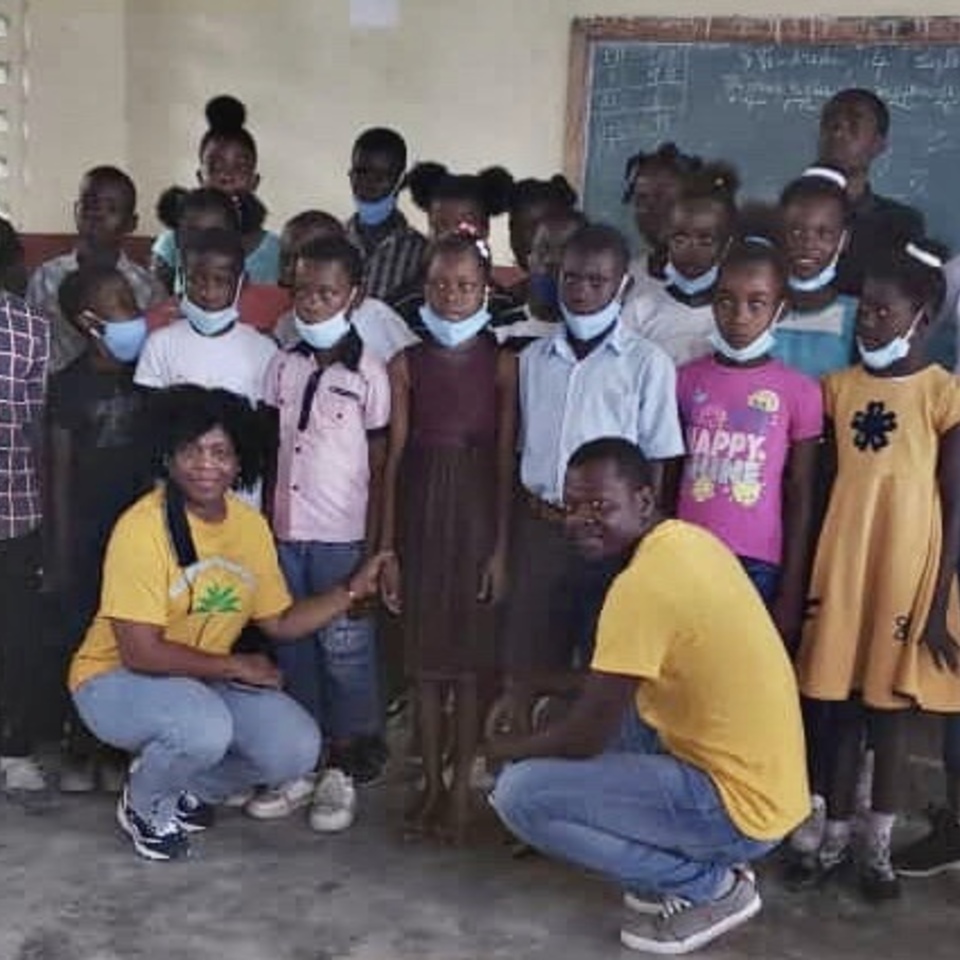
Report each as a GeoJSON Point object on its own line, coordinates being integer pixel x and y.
{"type": "Point", "coordinates": [769, 362]}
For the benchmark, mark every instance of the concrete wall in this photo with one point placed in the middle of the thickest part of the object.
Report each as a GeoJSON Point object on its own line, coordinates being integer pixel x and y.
{"type": "Point", "coordinates": [469, 82]}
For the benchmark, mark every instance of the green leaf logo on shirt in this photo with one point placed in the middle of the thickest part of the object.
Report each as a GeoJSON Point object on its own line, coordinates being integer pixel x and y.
{"type": "Point", "coordinates": [217, 599]}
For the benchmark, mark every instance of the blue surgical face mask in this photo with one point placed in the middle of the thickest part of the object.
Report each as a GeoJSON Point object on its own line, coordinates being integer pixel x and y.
{"type": "Point", "coordinates": [890, 353]}
{"type": "Point", "coordinates": [452, 334]}
{"type": "Point", "coordinates": [371, 213]}
{"type": "Point", "coordinates": [589, 326]}
{"type": "Point", "coordinates": [209, 323]}
{"type": "Point", "coordinates": [325, 334]}
{"type": "Point", "coordinates": [824, 278]}
{"type": "Point", "coordinates": [124, 339]}
{"type": "Point", "coordinates": [544, 287]}
{"type": "Point", "coordinates": [752, 351]}
{"type": "Point", "coordinates": [687, 286]}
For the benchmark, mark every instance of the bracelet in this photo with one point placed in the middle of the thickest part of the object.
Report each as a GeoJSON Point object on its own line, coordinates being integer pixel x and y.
{"type": "Point", "coordinates": [351, 594]}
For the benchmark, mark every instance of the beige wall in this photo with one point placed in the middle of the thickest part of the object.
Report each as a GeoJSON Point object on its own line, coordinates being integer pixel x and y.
{"type": "Point", "coordinates": [469, 82]}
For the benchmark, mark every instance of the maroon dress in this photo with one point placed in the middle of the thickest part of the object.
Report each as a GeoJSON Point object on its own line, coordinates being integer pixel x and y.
{"type": "Point", "coordinates": [448, 508]}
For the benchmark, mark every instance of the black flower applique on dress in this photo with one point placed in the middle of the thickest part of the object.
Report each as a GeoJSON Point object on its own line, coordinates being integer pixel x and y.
{"type": "Point", "coordinates": [872, 425]}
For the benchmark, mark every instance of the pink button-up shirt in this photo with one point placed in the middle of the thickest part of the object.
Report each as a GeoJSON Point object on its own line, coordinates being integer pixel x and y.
{"type": "Point", "coordinates": [323, 473]}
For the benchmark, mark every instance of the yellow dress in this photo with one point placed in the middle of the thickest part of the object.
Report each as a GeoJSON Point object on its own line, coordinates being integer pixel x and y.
{"type": "Point", "coordinates": [879, 551]}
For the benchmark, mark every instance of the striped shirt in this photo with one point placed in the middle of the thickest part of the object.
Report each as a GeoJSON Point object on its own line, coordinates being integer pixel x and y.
{"type": "Point", "coordinates": [392, 254]}
{"type": "Point", "coordinates": [24, 349]}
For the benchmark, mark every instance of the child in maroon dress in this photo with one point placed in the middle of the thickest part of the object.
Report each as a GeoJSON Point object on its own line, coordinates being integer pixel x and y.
{"type": "Point", "coordinates": [449, 483]}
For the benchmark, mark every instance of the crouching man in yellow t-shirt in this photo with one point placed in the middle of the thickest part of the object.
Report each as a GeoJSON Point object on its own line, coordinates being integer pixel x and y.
{"type": "Point", "coordinates": [707, 772]}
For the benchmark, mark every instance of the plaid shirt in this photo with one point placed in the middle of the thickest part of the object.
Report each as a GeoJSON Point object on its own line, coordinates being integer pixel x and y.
{"type": "Point", "coordinates": [24, 348]}
{"type": "Point", "coordinates": [392, 254]}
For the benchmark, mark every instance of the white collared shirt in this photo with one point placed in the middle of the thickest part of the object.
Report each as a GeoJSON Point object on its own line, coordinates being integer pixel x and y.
{"type": "Point", "coordinates": [626, 387]}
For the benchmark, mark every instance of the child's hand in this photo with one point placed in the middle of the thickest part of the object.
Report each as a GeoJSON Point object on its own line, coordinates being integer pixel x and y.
{"type": "Point", "coordinates": [390, 590]}
{"type": "Point", "coordinates": [787, 613]}
{"type": "Point", "coordinates": [493, 580]}
{"type": "Point", "coordinates": [365, 583]}
{"type": "Point", "coordinates": [943, 648]}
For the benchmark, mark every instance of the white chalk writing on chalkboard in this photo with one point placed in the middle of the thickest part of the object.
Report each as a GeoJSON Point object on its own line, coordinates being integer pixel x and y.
{"type": "Point", "coordinates": [757, 105]}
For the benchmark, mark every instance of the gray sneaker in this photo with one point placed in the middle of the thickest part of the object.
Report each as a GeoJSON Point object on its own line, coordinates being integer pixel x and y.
{"type": "Point", "coordinates": [682, 927]}
{"type": "Point", "coordinates": [652, 905]}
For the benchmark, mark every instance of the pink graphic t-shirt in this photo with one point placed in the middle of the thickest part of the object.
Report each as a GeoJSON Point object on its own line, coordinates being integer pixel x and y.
{"type": "Point", "coordinates": [739, 424]}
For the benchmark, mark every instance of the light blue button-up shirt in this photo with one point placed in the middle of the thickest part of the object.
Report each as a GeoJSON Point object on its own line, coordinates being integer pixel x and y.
{"type": "Point", "coordinates": [626, 387]}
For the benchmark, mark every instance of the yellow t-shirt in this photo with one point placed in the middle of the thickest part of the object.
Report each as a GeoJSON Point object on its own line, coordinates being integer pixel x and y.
{"type": "Point", "coordinates": [236, 579]}
{"type": "Point", "coordinates": [715, 681]}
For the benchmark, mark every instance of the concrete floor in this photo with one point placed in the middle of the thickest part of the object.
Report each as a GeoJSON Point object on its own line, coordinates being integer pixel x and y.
{"type": "Point", "coordinates": [72, 889]}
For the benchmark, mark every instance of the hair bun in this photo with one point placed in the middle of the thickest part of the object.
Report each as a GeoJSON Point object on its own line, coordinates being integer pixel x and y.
{"type": "Point", "coordinates": [423, 181]}
{"type": "Point", "coordinates": [225, 114]}
{"type": "Point", "coordinates": [496, 187]}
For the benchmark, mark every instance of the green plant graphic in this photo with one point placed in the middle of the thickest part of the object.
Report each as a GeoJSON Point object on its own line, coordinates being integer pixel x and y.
{"type": "Point", "coordinates": [218, 599]}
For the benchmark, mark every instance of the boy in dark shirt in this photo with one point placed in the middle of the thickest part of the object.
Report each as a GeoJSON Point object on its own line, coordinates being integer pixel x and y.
{"type": "Point", "coordinates": [854, 125]}
{"type": "Point", "coordinates": [100, 460]}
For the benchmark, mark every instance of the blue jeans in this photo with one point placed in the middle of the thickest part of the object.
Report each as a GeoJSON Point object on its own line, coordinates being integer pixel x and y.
{"type": "Point", "coordinates": [212, 739]}
{"type": "Point", "coordinates": [764, 576]}
{"type": "Point", "coordinates": [648, 821]}
{"type": "Point", "coordinates": [333, 674]}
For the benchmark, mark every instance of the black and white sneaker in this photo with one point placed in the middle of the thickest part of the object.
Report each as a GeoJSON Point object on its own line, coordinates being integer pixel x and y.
{"type": "Point", "coordinates": [154, 843]}
{"type": "Point", "coordinates": [939, 850]}
{"type": "Point", "coordinates": [193, 814]}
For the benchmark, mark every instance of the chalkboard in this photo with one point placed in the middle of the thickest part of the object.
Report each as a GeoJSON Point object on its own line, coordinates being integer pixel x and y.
{"type": "Point", "coordinates": [750, 91]}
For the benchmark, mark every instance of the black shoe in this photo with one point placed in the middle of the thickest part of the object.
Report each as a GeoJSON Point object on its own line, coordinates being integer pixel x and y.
{"type": "Point", "coordinates": [810, 872]}
{"type": "Point", "coordinates": [169, 843]}
{"type": "Point", "coordinates": [193, 814]}
{"type": "Point", "coordinates": [939, 850]}
{"type": "Point", "coordinates": [364, 760]}
{"type": "Point", "coordinates": [801, 871]}
{"type": "Point", "coordinates": [879, 884]}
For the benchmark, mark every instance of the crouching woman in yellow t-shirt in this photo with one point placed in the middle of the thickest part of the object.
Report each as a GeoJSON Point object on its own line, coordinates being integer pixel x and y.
{"type": "Point", "coordinates": [188, 566]}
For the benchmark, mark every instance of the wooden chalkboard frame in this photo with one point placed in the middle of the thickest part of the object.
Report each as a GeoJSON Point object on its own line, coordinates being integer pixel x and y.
{"type": "Point", "coordinates": [585, 32]}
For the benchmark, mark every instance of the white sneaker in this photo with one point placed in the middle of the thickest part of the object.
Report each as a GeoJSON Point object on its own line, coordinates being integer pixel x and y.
{"type": "Point", "coordinates": [279, 802]}
{"type": "Point", "coordinates": [334, 803]}
{"type": "Point", "coordinates": [22, 774]}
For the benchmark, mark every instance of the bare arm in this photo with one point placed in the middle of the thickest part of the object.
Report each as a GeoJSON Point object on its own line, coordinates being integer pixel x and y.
{"type": "Point", "coordinates": [143, 649]}
{"type": "Point", "coordinates": [377, 452]}
{"type": "Point", "coordinates": [396, 444]}
{"type": "Point", "coordinates": [799, 483]}
{"type": "Point", "coordinates": [942, 646]}
{"type": "Point", "coordinates": [311, 613]}
{"type": "Point", "coordinates": [585, 732]}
